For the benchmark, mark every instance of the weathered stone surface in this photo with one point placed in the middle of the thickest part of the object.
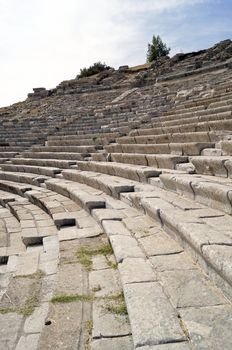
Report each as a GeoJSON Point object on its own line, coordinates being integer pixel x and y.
{"type": "Point", "coordinates": [142, 226]}
{"type": "Point", "coordinates": [179, 261]}
{"type": "Point", "coordinates": [25, 264]}
{"type": "Point", "coordinates": [114, 227]}
{"type": "Point", "coordinates": [125, 247]}
{"type": "Point", "coordinates": [134, 270]}
{"type": "Point", "coordinates": [182, 285]}
{"type": "Point", "coordinates": [70, 233]}
{"type": "Point", "coordinates": [64, 219]}
{"type": "Point", "coordinates": [64, 330]}
{"type": "Point", "coordinates": [209, 327]}
{"type": "Point", "coordinates": [28, 342]}
{"type": "Point", "coordinates": [35, 322]}
{"type": "Point", "coordinates": [220, 258]}
{"type": "Point", "coordinates": [10, 326]}
{"type": "Point", "coordinates": [124, 343]}
{"type": "Point", "coordinates": [107, 214]}
{"type": "Point", "coordinates": [99, 262]}
{"type": "Point", "coordinates": [159, 244]}
{"type": "Point", "coordinates": [106, 324]}
{"type": "Point", "coordinates": [169, 346]}
{"type": "Point", "coordinates": [106, 280]}
{"type": "Point", "coordinates": [152, 318]}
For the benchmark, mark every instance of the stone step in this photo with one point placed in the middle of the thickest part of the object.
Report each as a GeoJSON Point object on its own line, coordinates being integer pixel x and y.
{"type": "Point", "coordinates": [213, 165]}
{"type": "Point", "coordinates": [62, 210]}
{"type": "Point", "coordinates": [147, 259]}
{"type": "Point", "coordinates": [71, 149]}
{"type": "Point", "coordinates": [226, 147]}
{"type": "Point", "coordinates": [14, 187]}
{"type": "Point", "coordinates": [213, 192]}
{"type": "Point", "coordinates": [47, 171]}
{"type": "Point", "coordinates": [211, 152]}
{"type": "Point", "coordinates": [9, 148]}
{"type": "Point", "coordinates": [4, 160]}
{"type": "Point", "coordinates": [57, 163]}
{"type": "Point", "coordinates": [197, 228]}
{"type": "Point", "coordinates": [165, 161]}
{"type": "Point", "coordinates": [35, 224]}
{"type": "Point", "coordinates": [75, 192]}
{"type": "Point", "coordinates": [186, 149]}
{"type": "Point", "coordinates": [106, 135]}
{"type": "Point", "coordinates": [82, 142]}
{"type": "Point", "coordinates": [187, 119]}
{"type": "Point", "coordinates": [201, 136]}
{"type": "Point", "coordinates": [192, 127]}
{"type": "Point", "coordinates": [6, 197]}
{"type": "Point", "coordinates": [200, 112]}
{"type": "Point", "coordinates": [29, 178]}
{"type": "Point", "coordinates": [112, 185]}
{"type": "Point", "coordinates": [54, 155]}
{"type": "Point", "coordinates": [8, 154]}
{"type": "Point", "coordinates": [10, 236]}
{"type": "Point", "coordinates": [129, 171]}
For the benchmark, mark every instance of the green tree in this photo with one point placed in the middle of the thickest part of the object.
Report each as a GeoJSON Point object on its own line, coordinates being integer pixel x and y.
{"type": "Point", "coordinates": [97, 67]}
{"type": "Point", "coordinates": [156, 49]}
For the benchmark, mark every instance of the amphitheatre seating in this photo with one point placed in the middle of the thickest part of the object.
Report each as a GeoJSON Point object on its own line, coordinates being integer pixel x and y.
{"type": "Point", "coordinates": [138, 159]}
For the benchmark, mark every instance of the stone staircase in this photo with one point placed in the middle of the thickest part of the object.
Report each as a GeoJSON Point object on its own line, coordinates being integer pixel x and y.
{"type": "Point", "coordinates": [115, 211]}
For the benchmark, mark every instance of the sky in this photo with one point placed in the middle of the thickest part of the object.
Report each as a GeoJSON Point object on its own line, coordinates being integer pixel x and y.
{"type": "Point", "coordinates": [43, 42]}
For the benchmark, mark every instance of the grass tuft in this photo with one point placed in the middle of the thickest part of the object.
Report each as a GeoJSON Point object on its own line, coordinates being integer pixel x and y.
{"type": "Point", "coordinates": [85, 254]}
{"type": "Point", "coordinates": [117, 297]}
{"type": "Point", "coordinates": [29, 306]}
{"type": "Point", "coordinates": [119, 305]}
{"type": "Point", "coordinates": [112, 265]}
{"type": "Point", "coordinates": [117, 309]}
{"type": "Point", "coordinates": [89, 326]}
{"type": "Point", "coordinates": [7, 310]}
{"type": "Point", "coordinates": [97, 288]}
{"type": "Point", "coordinates": [37, 275]}
{"type": "Point", "coordinates": [64, 298]}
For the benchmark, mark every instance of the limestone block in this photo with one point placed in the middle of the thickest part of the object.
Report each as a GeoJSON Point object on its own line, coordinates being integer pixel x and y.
{"type": "Point", "coordinates": [106, 324]}
{"type": "Point", "coordinates": [101, 215]}
{"type": "Point", "coordinates": [178, 261]}
{"type": "Point", "coordinates": [124, 343]}
{"type": "Point", "coordinates": [107, 280]}
{"type": "Point", "coordinates": [159, 244]}
{"type": "Point", "coordinates": [210, 165]}
{"type": "Point", "coordinates": [11, 324]}
{"type": "Point", "coordinates": [152, 318]}
{"type": "Point", "coordinates": [35, 322]}
{"type": "Point", "coordinates": [134, 270]}
{"type": "Point", "coordinates": [125, 247]}
{"type": "Point", "coordinates": [114, 227]}
{"type": "Point", "coordinates": [182, 285]}
{"type": "Point", "coordinates": [209, 327]}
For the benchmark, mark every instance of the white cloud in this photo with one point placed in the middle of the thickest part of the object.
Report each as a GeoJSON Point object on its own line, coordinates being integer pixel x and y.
{"type": "Point", "coordinates": [45, 41]}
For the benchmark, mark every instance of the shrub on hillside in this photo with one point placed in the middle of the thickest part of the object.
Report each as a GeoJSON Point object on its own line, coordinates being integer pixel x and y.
{"type": "Point", "coordinates": [157, 49]}
{"type": "Point", "coordinates": [97, 67]}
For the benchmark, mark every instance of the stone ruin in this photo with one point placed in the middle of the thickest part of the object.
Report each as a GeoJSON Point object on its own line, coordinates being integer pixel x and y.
{"type": "Point", "coordinates": [115, 209]}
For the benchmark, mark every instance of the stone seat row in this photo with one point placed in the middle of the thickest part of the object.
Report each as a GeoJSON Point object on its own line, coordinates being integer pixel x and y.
{"type": "Point", "coordinates": [58, 209]}
{"type": "Point", "coordinates": [106, 135]}
{"type": "Point", "coordinates": [185, 148]}
{"type": "Point", "coordinates": [160, 204]}
{"type": "Point", "coordinates": [224, 124]}
{"type": "Point", "coordinates": [152, 269]}
{"type": "Point", "coordinates": [116, 186]}
{"type": "Point", "coordinates": [184, 137]}
{"type": "Point", "coordinates": [188, 119]}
